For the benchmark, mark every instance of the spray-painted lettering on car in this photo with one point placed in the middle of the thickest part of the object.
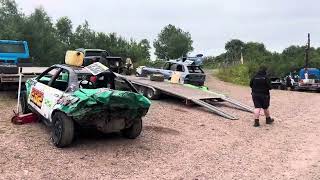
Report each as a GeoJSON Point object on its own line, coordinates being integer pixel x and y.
{"type": "Point", "coordinates": [36, 97]}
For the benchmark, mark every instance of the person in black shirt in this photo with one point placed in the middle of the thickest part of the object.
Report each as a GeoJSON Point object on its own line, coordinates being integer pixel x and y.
{"type": "Point", "coordinates": [261, 85]}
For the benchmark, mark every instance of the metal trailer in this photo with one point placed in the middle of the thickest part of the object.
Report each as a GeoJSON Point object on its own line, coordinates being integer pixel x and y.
{"type": "Point", "coordinates": [26, 73]}
{"type": "Point", "coordinates": [206, 99]}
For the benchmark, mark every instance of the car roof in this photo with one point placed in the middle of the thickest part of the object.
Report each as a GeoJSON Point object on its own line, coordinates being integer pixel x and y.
{"type": "Point", "coordinates": [75, 69]}
{"type": "Point", "coordinates": [84, 50]}
{"type": "Point", "coordinates": [181, 63]}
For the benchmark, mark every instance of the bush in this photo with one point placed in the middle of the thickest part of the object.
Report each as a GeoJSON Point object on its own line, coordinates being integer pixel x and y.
{"type": "Point", "coordinates": [238, 74]}
{"type": "Point", "coordinates": [148, 63]}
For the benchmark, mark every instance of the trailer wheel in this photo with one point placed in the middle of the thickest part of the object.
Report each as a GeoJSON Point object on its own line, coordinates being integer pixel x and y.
{"type": "Point", "coordinates": [62, 130]}
{"type": "Point", "coordinates": [142, 90]}
{"type": "Point", "coordinates": [134, 131]}
{"type": "Point", "coordinates": [153, 94]}
{"type": "Point", "coordinates": [24, 103]}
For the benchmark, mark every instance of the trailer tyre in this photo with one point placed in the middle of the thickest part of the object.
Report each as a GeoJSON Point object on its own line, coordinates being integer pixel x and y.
{"type": "Point", "coordinates": [62, 130]}
{"type": "Point", "coordinates": [24, 103]}
{"type": "Point", "coordinates": [153, 94]}
{"type": "Point", "coordinates": [134, 131]}
{"type": "Point", "coordinates": [142, 90]}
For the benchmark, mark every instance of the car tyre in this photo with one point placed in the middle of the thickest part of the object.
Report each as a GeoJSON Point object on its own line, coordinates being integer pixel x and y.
{"type": "Point", "coordinates": [62, 130]}
{"type": "Point", "coordinates": [24, 103]}
{"type": "Point", "coordinates": [134, 130]}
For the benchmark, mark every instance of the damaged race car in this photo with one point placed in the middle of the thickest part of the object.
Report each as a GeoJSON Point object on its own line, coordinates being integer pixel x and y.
{"type": "Point", "coordinates": [68, 97]}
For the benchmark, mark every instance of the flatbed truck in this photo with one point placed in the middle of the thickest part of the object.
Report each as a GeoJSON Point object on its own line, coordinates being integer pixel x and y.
{"type": "Point", "coordinates": [15, 61]}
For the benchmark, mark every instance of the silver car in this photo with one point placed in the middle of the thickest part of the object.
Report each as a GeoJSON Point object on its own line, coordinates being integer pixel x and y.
{"type": "Point", "coordinates": [189, 73]}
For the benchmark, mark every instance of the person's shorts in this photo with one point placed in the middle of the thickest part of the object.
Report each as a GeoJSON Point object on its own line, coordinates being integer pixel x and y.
{"type": "Point", "coordinates": [261, 101]}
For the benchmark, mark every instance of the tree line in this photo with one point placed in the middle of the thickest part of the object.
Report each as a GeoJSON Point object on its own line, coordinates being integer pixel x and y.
{"type": "Point", "coordinates": [48, 41]}
{"type": "Point", "coordinates": [255, 54]}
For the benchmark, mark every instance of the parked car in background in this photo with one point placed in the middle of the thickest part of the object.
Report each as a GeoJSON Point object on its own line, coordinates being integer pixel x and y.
{"type": "Point", "coordinates": [116, 64]}
{"type": "Point", "coordinates": [277, 83]}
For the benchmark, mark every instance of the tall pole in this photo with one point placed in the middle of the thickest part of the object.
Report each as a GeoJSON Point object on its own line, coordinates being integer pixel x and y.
{"type": "Point", "coordinates": [307, 52]}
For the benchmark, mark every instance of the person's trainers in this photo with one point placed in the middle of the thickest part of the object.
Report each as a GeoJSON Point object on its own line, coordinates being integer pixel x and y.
{"type": "Point", "coordinates": [269, 120]}
{"type": "Point", "coordinates": [256, 123]}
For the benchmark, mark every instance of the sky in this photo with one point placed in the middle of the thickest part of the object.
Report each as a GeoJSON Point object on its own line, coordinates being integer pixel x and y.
{"type": "Point", "coordinates": [211, 23]}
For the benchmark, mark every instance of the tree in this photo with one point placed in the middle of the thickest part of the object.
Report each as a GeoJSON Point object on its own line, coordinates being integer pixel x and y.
{"type": "Point", "coordinates": [145, 48]}
{"type": "Point", "coordinates": [12, 21]}
{"type": "Point", "coordinates": [233, 49]}
{"type": "Point", "coordinates": [172, 42]}
{"type": "Point", "coordinates": [64, 30]}
{"type": "Point", "coordinates": [84, 37]}
{"type": "Point", "coordinates": [44, 45]}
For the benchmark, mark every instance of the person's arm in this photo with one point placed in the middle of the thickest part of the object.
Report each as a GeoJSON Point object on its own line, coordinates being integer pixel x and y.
{"type": "Point", "coordinates": [251, 82]}
{"type": "Point", "coordinates": [268, 83]}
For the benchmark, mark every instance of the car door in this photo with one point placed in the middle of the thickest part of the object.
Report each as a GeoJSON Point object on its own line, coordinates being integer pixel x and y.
{"type": "Point", "coordinates": [166, 71]}
{"type": "Point", "coordinates": [47, 91]}
{"type": "Point", "coordinates": [54, 92]}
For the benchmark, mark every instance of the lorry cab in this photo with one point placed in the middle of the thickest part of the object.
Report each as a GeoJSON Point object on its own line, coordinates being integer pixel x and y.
{"type": "Point", "coordinates": [313, 73]}
{"type": "Point", "coordinates": [14, 53]}
{"type": "Point", "coordinates": [312, 81]}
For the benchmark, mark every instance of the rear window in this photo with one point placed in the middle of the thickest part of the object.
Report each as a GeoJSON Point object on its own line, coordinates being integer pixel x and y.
{"type": "Point", "coordinates": [12, 48]}
{"type": "Point", "coordinates": [194, 69]}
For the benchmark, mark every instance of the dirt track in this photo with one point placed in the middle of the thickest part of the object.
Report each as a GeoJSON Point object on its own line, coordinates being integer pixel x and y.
{"type": "Point", "coordinates": [178, 142]}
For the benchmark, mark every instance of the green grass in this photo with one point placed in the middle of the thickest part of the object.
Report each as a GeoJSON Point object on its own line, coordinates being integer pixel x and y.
{"type": "Point", "coordinates": [238, 74]}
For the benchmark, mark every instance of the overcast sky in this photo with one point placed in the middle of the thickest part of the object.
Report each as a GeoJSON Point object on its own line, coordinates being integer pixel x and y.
{"type": "Point", "coordinates": [276, 23]}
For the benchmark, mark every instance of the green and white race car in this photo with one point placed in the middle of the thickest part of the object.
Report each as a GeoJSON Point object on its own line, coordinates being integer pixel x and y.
{"type": "Point", "coordinates": [67, 97]}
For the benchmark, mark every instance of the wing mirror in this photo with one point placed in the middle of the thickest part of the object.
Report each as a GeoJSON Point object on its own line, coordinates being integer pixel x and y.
{"type": "Point", "coordinates": [71, 88]}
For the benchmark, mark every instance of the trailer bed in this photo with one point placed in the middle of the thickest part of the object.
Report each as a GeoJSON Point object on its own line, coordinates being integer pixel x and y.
{"type": "Point", "coordinates": [206, 99]}
{"type": "Point", "coordinates": [26, 73]}
{"type": "Point", "coordinates": [175, 89]}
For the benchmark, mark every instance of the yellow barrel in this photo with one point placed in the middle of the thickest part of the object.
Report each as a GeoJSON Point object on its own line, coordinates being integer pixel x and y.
{"type": "Point", "coordinates": [74, 58]}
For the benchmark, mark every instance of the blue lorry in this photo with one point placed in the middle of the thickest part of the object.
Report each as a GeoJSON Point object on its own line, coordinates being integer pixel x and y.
{"type": "Point", "coordinates": [15, 54]}
{"type": "Point", "coordinates": [311, 82]}
{"type": "Point", "coordinates": [309, 78]}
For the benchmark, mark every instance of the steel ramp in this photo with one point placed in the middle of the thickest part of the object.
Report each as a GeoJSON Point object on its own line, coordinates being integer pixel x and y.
{"type": "Point", "coordinates": [238, 104]}
{"type": "Point", "coordinates": [213, 109]}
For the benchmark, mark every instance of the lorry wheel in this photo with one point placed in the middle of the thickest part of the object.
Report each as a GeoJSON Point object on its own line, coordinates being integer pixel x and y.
{"type": "Point", "coordinates": [62, 130]}
{"type": "Point", "coordinates": [153, 94]}
{"type": "Point", "coordinates": [24, 103]}
{"type": "Point", "coordinates": [134, 131]}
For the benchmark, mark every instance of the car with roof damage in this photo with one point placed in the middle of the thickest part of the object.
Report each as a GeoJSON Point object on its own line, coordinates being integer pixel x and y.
{"type": "Point", "coordinates": [188, 71]}
{"type": "Point", "coordinates": [67, 97]}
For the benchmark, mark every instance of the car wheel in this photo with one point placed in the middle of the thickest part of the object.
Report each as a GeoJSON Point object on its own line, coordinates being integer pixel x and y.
{"type": "Point", "coordinates": [134, 131]}
{"type": "Point", "coordinates": [62, 130]}
{"type": "Point", "coordinates": [24, 103]}
{"type": "Point", "coordinates": [152, 94]}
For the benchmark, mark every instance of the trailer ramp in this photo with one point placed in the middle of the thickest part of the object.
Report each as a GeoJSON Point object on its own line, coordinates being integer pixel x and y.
{"type": "Point", "coordinates": [213, 109]}
{"type": "Point", "coordinates": [195, 96]}
{"type": "Point", "coordinates": [238, 104]}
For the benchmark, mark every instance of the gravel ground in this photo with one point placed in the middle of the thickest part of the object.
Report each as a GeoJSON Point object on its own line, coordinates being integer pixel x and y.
{"type": "Point", "coordinates": [178, 142]}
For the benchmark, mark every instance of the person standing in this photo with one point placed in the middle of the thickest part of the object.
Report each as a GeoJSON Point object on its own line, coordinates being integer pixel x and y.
{"type": "Point", "coordinates": [288, 83]}
{"type": "Point", "coordinates": [129, 66]}
{"type": "Point", "coordinates": [261, 85]}
{"type": "Point", "coordinates": [306, 75]}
